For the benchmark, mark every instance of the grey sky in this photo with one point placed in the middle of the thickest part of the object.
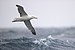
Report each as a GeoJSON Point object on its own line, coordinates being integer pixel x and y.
{"type": "Point", "coordinates": [50, 13]}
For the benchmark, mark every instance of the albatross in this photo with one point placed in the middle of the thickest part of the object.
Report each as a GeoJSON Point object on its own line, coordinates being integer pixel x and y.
{"type": "Point", "coordinates": [25, 18]}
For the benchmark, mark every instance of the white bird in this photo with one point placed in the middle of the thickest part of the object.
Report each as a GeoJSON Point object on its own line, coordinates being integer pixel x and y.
{"type": "Point", "coordinates": [25, 18]}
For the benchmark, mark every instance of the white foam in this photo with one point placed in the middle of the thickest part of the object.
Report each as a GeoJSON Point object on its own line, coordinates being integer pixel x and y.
{"type": "Point", "coordinates": [50, 37]}
{"type": "Point", "coordinates": [67, 41]}
{"type": "Point", "coordinates": [46, 43]}
{"type": "Point", "coordinates": [44, 39]}
{"type": "Point", "coordinates": [36, 42]}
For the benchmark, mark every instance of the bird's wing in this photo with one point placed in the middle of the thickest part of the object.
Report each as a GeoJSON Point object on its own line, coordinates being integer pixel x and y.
{"type": "Point", "coordinates": [21, 11]}
{"type": "Point", "coordinates": [30, 27]}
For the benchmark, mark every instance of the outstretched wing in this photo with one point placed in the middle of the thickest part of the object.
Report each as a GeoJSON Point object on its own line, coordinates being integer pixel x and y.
{"type": "Point", "coordinates": [21, 11]}
{"type": "Point", "coordinates": [30, 27]}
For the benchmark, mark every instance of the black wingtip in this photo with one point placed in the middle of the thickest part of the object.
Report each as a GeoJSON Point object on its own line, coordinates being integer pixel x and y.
{"type": "Point", "coordinates": [18, 6]}
{"type": "Point", "coordinates": [34, 33]}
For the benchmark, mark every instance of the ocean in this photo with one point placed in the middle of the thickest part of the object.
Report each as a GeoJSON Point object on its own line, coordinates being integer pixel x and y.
{"type": "Point", "coordinates": [45, 39]}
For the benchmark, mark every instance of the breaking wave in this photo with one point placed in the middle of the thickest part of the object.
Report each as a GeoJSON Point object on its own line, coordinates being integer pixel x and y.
{"type": "Point", "coordinates": [24, 43]}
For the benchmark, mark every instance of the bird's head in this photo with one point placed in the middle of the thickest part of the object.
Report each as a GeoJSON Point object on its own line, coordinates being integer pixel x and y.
{"type": "Point", "coordinates": [34, 17]}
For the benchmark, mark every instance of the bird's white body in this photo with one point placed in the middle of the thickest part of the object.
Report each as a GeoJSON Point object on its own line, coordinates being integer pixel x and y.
{"type": "Point", "coordinates": [23, 18]}
{"type": "Point", "coordinates": [19, 19]}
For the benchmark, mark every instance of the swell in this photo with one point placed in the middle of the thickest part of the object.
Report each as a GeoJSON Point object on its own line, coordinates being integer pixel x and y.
{"type": "Point", "coordinates": [24, 43]}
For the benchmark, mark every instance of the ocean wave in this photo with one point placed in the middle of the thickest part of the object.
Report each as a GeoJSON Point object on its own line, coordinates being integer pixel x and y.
{"type": "Point", "coordinates": [24, 43]}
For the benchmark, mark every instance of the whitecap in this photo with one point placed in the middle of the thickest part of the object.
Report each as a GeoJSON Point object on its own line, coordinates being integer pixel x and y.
{"type": "Point", "coordinates": [67, 41]}
{"type": "Point", "coordinates": [36, 42]}
{"type": "Point", "coordinates": [50, 37]}
{"type": "Point", "coordinates": [44, 39]}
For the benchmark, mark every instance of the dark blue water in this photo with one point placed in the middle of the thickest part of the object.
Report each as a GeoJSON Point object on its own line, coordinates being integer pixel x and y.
{"type": "Point", "coordinates": [46, 39]}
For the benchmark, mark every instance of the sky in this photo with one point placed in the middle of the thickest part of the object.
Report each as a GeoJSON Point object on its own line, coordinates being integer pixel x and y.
{"type": "Point", "coordinates": [50, 13]}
